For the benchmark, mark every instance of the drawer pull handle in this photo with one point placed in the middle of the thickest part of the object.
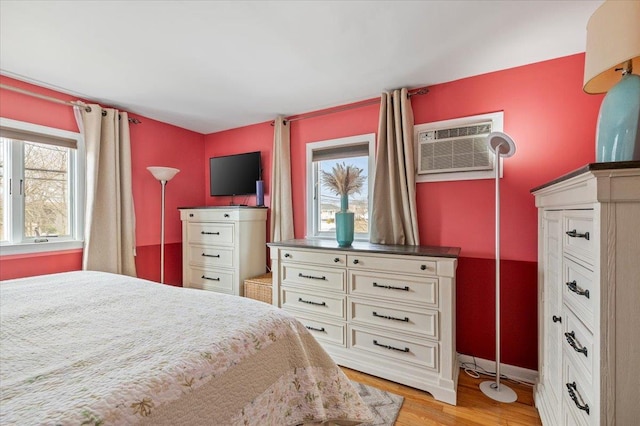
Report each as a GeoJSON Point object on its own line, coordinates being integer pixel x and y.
{"type": "Point", "coordinates": [209, 233]}
{"type": "Point", "coordinates": [556, 319]}
{"type": "Point", "coordinates": [210, 255]}
{"type": "Point", "coordinates": [287, 255]}
{"type": "Point", "coordinates": [190, 214]}
{"type": "Point", "coordinates": [405, 319]}
{"type": "Point", "coordinates": [573, 286]}
{"type": "Point", "coordinates": [573, 389]}
{"type": "Point", "coordinates": [375, 342]}
{"type": "Point", "coordinates": [336, 259]}
{"type": "Point", "coordinates": [423, 267]}
{"type": "Point", "coordinates": [300, 299]}
{"type": "Point", "coordinates": [210, 279]}
{"type": "Point", "coordinates": [571, 339]}
{"type": "Point", "coordinates": [575, 234]}
{"type": "Point", "coordinates": [356, 261]}
{"type": "Point", "coordinates": [311, 277]}
{"type": "Point", "coordinates": [226, 215]}
{"type": "Point", "coordinates": [390, 287]}
{"type": "Point", "coordinates": [321, 330]}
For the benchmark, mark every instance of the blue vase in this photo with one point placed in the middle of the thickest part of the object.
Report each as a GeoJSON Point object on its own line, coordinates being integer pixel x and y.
{"type": "Point", "coordinates": [344, 223]}
{"type": "Point", "coordinates": [618, 137]}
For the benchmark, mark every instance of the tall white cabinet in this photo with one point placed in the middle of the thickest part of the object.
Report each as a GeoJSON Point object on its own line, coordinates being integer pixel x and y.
{"type": "Point", "coordinates": [222, 246]}
{"type": "Point", "coordinates": [385, 310]}
{"type": "Point", "coordinates": [589, 296]}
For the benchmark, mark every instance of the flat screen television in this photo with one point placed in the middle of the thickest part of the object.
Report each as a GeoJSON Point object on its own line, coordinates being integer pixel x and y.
{"type": "Point", "coordinates": [234, 174]}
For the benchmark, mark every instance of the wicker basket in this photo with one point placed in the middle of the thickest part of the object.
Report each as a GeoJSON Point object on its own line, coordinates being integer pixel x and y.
{"type": "Point", "coordinates": [259, 288]}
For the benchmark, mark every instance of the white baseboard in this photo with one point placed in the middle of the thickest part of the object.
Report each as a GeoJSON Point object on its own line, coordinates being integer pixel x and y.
{"type": "Point", "coordinates": [511, 371]}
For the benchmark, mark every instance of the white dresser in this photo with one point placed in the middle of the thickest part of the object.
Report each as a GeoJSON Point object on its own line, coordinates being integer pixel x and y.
{"type": "Point", "coordinates": [222, 246]}
{"type": "Point", "coordinates": [388, 311]}
{"type": "Point", "coordinates": [589, 297]}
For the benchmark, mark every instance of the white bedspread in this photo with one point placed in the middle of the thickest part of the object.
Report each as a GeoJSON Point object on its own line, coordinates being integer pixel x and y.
{"type": "Point", "coordinates": [95, 348]}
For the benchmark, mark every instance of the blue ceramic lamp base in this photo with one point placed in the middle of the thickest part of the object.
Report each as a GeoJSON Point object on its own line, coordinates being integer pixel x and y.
{"type": "Point", "coordinates": [618, 136]}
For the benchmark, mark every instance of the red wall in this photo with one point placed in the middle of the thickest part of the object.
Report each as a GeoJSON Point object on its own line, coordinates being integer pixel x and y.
{"type": "Point", "coordinates": [153, 143]}
{"type": "Point", "coordinates": [545, 111]}
{"type": "Point", "coordinates": [553, 124]}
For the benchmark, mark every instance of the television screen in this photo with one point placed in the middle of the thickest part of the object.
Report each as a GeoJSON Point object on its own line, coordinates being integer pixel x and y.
{"type": "Point", "coordinates": [234, 174]}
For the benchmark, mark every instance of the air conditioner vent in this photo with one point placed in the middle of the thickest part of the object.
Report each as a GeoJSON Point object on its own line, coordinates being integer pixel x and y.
{"type": "Point", "coordinates": [455, 149]}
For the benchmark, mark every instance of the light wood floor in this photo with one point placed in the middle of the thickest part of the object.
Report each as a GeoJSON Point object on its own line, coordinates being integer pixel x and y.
{"type": "Point", "coordinates": [474, 408]}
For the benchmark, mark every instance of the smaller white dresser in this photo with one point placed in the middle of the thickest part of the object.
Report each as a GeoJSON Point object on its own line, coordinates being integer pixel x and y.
{"type": "Point", "coordinates": [222, 246]}
{"type": "Point", "coordinates": [384, 310]}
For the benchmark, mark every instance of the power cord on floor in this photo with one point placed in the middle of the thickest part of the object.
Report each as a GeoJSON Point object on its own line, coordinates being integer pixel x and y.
{"type": "Point", "coordinates": [474, 370]}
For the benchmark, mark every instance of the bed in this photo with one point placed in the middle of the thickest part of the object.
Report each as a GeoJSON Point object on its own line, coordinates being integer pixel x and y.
{"type": "Point", "coordinates": [97, 348]}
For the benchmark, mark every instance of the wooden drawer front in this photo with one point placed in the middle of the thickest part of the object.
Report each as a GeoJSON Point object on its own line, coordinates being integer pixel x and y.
{"type": "Point", "coordinates": [395, 287]}
{"type": "Point", "coordinates": [327, 279]}
{"type": "Point", "coordinates": [208, 279]}
{"type": "Point", "coordinates": [578, 341]}
{"type": "Point", "coordinates": [574, 383]}
{"type": "Point", "coordinates": [317, 257]}
{"type": "Point", "coordinates": [330, 306]}
{"type": "Point", "coordinates": [208, 256]}
{"type": "Point", "coordinates": [213, 215]}
{"type": "Point", "coordinates": [580, 221]}
{"type": "Point", "coordinates": [423, 321]}
{"type": "Point", "coordinates": [406, 265]}
{"type": "Point", "coordinates": [578, 291]}
{"type": "Point", "coordinates": [210, 233]}
{"type": "Point", "coordinates": [406, 350]}
{"type": "Point", "coordinates": [325, 331]}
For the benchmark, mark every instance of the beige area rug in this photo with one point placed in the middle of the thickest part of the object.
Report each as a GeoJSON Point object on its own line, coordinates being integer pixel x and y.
{"type": "Point", "coordinates": [384, 405]}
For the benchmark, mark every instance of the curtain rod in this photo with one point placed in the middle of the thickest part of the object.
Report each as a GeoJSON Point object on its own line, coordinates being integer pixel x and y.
{"type": "Point", "coordinates": [415, 92]}
{"type": "Point", "coordinates": [56, 100]}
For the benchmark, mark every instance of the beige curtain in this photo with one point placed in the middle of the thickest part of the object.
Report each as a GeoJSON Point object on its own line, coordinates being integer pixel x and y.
{"type": "Point", "coordinates": [394, 218]}
{"type": "Point", "coordinates": [281, 204]}
{"type": "Point", "coordinates": [109, 214]}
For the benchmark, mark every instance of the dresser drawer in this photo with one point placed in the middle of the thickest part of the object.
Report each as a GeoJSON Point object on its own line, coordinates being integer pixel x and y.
{"type": "Point", "coordinates": [316, 278]}
{"type": "Point", "coordinates": [394, 347]}
{"type": "Point", "coordinates": [210, 233]}
{"type": "Point", "coordinates": [209, 256]}
{"type": "Point", "coordinates": [579, 292]}
{"type": "Point", "coordinates": [322, 304]}
{"type": "Point", "coordinates": [395, 287]}
{"type": "Point", "coordinates": [578, 394]}
{"type": "Point", "coordinates": [402, 264]}
{"type": "Point", "coordinates": [419, 321]}
{"type": "Point", "coordinates": [208, 279]}
{"type": "Point", "coordinates": [579, 239]}
{"type": "Point", "coordinates": [316, 257]}
{"type": "Point", "coordinates": [213, 215]}
{"type": "Point", "coordinates": [578, 342]}
{"type": "Point", "coordinates": [325, 331]}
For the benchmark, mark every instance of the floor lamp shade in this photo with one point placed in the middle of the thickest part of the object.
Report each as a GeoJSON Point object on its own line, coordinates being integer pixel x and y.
{"type": "Point", "coordinates": [164, 175]}
{"type": "Point", "coordinates": [612, 65]}
{"type": "Point", "coordinates": [502, 146]}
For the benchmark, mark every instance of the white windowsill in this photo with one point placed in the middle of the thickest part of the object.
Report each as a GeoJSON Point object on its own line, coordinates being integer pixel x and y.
{"type": "Point", "coordinates": [29, 248]}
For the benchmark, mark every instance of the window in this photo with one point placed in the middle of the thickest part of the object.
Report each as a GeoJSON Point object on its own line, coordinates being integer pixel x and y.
{"type": "Point", "coordinates": [322, 203]}
{"type": "Point", "coordinates": [41, 188]}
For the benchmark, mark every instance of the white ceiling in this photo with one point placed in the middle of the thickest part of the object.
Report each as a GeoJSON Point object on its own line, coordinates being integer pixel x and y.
{"type": "Point", "coordinates": [215, 65]}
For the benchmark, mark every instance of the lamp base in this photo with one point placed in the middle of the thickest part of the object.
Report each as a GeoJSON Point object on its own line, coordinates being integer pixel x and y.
{"type": "Point", "coordinates": [618, 135]}
{"type": "Point", "coordinates": [502, 394]}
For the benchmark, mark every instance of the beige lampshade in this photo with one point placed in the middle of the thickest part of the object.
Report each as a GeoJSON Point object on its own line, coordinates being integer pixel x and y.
{"type": "Point", "coordinates": [613, 38]}
{"type": "Point", "coordinates": [163, 173]}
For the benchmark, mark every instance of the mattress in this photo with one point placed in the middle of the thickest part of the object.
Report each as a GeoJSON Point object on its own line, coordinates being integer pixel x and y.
{"type": "Point", "coordinates": [97, 348]}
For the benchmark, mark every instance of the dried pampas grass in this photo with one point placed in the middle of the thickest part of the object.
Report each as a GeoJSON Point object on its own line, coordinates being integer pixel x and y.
{"type": "Point", "coordinates": [343, 179]}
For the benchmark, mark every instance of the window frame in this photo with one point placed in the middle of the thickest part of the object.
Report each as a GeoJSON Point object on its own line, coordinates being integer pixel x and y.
{"type": "Point", "coordinates": [14, 209]}
{"type": "Point", "coordinates": [311, 202]}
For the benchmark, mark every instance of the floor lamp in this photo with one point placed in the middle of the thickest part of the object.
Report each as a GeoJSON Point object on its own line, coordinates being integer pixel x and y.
{"type": "Point", "coordinates": [503, 146]}
{"type": "Point", "coordinates": [164, 175]}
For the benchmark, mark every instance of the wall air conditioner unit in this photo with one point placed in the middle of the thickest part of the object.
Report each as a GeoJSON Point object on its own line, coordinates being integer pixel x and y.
{"type": "Point", "coordinates": [460, 148]}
